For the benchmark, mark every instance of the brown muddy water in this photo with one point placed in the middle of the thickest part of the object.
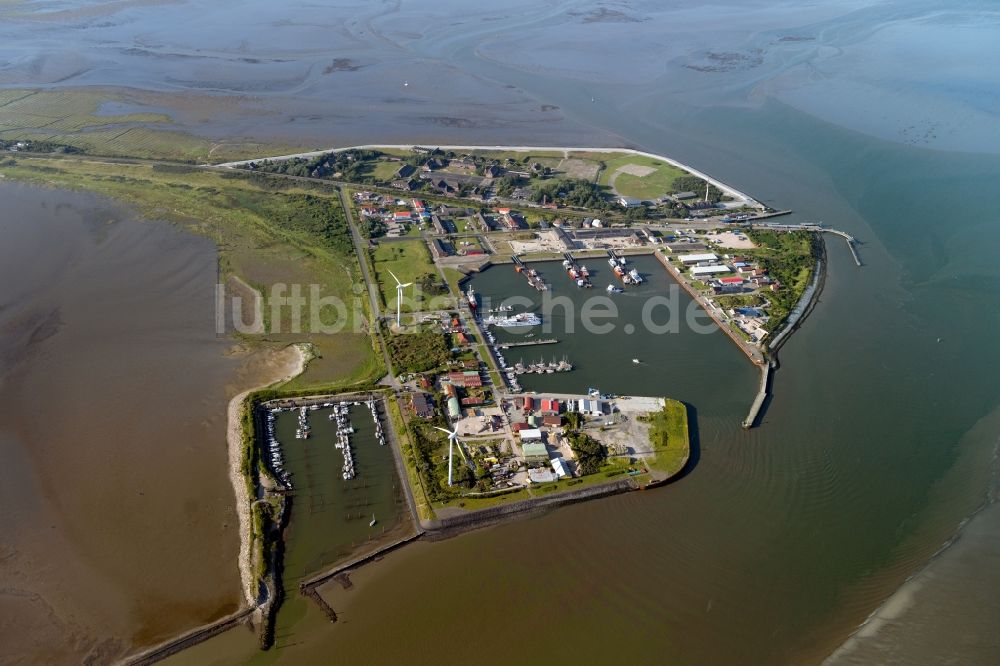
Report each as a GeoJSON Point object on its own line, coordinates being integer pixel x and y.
{"type": "Point", "coordinates": [119, 520]}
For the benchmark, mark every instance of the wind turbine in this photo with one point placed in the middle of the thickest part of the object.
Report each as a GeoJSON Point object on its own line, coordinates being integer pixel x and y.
{"type": "Point", "coordinates": [452, 440]}
{"type": "Point", "coordinates": [399, 297]}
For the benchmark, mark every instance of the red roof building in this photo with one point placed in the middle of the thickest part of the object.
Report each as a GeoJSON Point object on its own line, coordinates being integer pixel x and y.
{"type": "Point", "coordinates": [529, 403]}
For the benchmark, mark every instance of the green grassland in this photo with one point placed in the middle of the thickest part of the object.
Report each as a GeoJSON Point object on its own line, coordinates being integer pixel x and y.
{"type": "Point", "coordinates": [789, 258]}
{"type": "Point", "coordinates": [653, 186]}
{"type": "Point", "coordinates": [409, 261]}
{"type": "Point", "coordinates": [267, 232]}
{"type": "Point", "coordinates": [670, 437]}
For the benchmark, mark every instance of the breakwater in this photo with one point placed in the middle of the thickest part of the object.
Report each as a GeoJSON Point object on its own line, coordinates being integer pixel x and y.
{"type": "Point", "coordinates": [189, 639]}
{"type": "Point", "coordinates": [758, 401]}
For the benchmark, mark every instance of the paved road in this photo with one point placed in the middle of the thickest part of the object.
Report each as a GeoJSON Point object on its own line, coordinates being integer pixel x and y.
{"type": "Point", "coordinates": [360, 249]}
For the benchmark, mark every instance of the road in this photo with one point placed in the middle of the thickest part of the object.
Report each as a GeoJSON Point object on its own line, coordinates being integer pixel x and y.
{"type": "Point", "coordinates": [361, 250]}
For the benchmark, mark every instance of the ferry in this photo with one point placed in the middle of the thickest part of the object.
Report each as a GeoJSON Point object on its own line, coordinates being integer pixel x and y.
{"type": "Point", "coordinates": [513, 321]}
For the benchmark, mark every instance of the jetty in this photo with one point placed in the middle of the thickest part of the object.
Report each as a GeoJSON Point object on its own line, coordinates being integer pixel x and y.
{"type": "Point", "coordinates": [533, 278]}
{"type": "Point", "coordinates": [851, 242]}
{"type": "Point", "coordinates": [758, 401]}
{"type": "Point", "coordinates": [527, 343]}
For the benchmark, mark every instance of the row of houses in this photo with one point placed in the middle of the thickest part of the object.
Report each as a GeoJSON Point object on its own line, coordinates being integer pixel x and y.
{"type": "Point", "coordinates": [397, 214]}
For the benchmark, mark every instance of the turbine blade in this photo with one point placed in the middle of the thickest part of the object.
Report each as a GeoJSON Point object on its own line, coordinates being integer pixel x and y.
{"type": "Point", "coordinates": [394, 277]}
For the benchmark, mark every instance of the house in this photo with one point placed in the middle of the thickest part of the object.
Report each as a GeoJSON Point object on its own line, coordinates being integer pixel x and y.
{"type": "Point", "coordinates": [466, 379]}
{"type": "Point", "coordinates": [518, 427]}
{"type": "Point", "coordinates": [550, 406]}
{"type": "Point", "coordinates": [529, 403]}
{"type": "Point", "coordinates": [552, 420]}
{"type": "Point", "coordinates": [731, 281]}
{"type": "Point", "coordinates": [493, 171]}
{"type": "Point", "coordinates": [472, 401]}
{"type": "Point", "coordinates": [404, 184]}
{"type": "Point", "coordinates": [464, 164]}
{"type": "Point", "coordinates": [432, 164]}
{"type": "Point", "coordinates": [421, 405]}
{"type": "Point", "coordinates": [454, 410]}
{"type": "Point", "coordinates": [405, 171]}
{"type": "Point", "coordinates": [629, 202]}
{"type": "Point", "coordinates": [591, 407]}
{"type": "Point", "coordinates": [681, 196]}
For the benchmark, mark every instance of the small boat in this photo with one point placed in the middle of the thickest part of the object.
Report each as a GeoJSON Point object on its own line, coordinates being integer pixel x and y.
{"type": "Point", "coordinates": [372, 524]}
{"type": "Point", "coordinates": [636, 361]}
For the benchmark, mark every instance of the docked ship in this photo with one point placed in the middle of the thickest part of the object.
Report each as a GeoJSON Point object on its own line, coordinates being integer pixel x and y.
{"type": "Point", "coordinates": [470, 295]}
{"type": "Point", "coordinates": [513, 321]}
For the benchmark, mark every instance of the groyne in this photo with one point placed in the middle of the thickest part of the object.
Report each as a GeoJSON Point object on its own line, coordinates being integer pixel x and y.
{"type": "Point", "coordinates": [307, 586]}
{"type": "Point", "coordinates": [758, 401]}
{"type": "Point", "coordinates": [189, 639]}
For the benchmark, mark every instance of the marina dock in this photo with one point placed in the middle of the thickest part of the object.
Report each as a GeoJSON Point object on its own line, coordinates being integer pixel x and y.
{"type": "Point", "coordinates": [527, 343]}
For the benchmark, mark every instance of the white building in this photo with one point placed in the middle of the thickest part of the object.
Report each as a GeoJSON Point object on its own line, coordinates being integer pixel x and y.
{"type": "Point", "coordinates": [697, 258]}
{"type": "Point", "coordinates": [710, 270]}
{"type": "Point", "coordinates": [531, 435]}
{"type": "Point", "coordinates": [559, 467]}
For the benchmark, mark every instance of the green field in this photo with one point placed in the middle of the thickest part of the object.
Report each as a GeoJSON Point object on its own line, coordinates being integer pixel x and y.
{"type": "Point", "coordinates": [652, 186]}
{"type": "Point", "coordinates": [409, 261]}
{"type": "Point", "coordinates": [384, 170]}
{"type": "Point", "coordinates": [670, 437]}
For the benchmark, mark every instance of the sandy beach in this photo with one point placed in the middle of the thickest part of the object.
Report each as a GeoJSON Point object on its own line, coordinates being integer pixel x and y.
{"type": "Point", "coordinates": [284, 365]}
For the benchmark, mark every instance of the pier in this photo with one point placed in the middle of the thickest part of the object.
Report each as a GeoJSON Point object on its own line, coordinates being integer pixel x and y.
{"type": "Point", "coordinates": [527, 343]}
{"type": "Point", "coordinates": [758, 402]}
{"type": "Point", "coordinates": [851, 241]}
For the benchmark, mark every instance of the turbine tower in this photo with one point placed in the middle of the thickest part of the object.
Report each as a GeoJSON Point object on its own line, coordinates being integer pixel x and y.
{"type": "Point", "coordinates": [452, 440]}
{"type": "Point", "coordinates": [399, 297]}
